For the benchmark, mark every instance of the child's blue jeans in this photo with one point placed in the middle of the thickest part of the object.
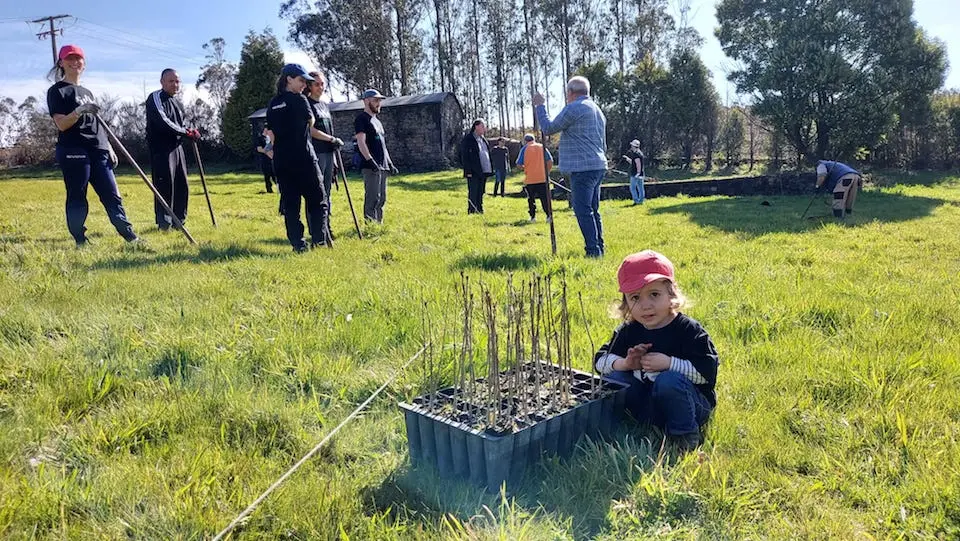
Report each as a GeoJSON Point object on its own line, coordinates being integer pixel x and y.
{"type": "Point", "coordinates": [671, 402]}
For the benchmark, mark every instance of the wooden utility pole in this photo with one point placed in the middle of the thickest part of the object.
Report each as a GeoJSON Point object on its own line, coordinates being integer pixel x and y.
{"type": "Point", "coordinates": [52, 32]}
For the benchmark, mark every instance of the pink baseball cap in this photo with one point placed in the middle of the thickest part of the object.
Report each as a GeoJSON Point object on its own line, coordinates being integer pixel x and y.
{"type": "Point", "coordinates": [639, 269]}
{"type": "Point", "coordinates": [68, 50]}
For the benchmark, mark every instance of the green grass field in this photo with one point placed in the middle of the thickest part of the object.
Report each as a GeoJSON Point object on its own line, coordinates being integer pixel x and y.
{"type": "Point", "coordinates": [153, 393]}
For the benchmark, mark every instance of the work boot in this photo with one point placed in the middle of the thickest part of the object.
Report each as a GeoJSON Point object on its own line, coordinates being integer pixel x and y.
{"type": "Point", "coordinates": [685, 443]}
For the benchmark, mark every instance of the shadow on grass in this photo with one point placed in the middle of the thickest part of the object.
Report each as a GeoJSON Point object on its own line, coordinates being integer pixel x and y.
{"type": "Point", "coordinates": [429, 184]}
{"type": "Point", "coordinates": [205, 254]}
{"type": "Point", "coordinates": [497, 262]}
{"type": "Point", "coordinates": [580, 489]}
{"type": "Point", "coordinates": [759, 215]}
{"type": "Point", "coordinates": [892, 177]}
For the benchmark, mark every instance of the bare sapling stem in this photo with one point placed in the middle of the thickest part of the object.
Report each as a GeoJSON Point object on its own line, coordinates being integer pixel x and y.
{"type": "Point", "coordinates": [593, 349]}
{"type": "Point", "coordinates": [535, 338]}
{"type": "Point", "coordinates": [493, 361]}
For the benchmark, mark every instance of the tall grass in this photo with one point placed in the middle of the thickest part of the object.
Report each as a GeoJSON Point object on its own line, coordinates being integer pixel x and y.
{"type": "Point", "coordinates": [152, 393]}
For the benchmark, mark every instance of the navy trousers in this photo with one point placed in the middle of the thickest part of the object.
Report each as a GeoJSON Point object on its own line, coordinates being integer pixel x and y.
{"type": "Point", "coordinates": [169, 171]}
{"type": "Point", "coordinates": [84, 167]}
{"type": "Point", "coordinates": [671, 402]}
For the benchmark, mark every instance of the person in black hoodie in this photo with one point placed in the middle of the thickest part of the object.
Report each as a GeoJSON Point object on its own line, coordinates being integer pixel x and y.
{"type": "Point", "coordinates": [165, 133]}
{"type": "Point", "coordinates": [83, 151]}
{"type": "Point", "coordinates": [666, 357]}
{"type": "Point", "coordinates": [294, 160]}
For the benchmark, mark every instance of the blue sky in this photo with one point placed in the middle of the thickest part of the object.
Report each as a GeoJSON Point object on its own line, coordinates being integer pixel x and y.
{"type": "Point", "coordinates": [128, 44]}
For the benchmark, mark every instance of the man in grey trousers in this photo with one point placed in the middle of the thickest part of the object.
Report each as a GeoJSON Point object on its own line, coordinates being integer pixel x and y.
{"type": "Point", "coordinates": [376, 160]}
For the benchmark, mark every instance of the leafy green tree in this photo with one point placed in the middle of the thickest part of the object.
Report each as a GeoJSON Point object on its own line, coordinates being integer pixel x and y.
{"type": "Point", "coordinates": [217, 75]}
{"type": "Point", "coordinates": [732, 135]}
{"type": "Point", "coordinates": [407, 15]}
{"type": "Point", "coordinates": [831, 75]}
{"type": "Point", "coordinates": [354, 40]}
{"type": "Point", "coordinates": [690, 103]}
{"type": "Point", "coordinates": [260, 62]}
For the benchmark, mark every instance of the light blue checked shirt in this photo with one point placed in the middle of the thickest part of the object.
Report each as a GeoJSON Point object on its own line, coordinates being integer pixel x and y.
{"type": "Point", "coordinates": [583, 143]}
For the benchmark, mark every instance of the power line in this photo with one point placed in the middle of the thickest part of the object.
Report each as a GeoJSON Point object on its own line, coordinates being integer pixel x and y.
{"type": "Point", "coordinates": [126, 42]}
{"type": "Point", "coordinates": [138, 37]}
{"type": "Point", "coordinates": [121, 42]}
{"type": "Point", "coordinates": [17, 19]}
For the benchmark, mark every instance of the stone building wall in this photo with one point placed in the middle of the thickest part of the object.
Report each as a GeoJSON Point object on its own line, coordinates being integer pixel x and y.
{"type": "Point", "coordinates": [420, 137]}
{"type": "Point", "coordinates": [779, 184]}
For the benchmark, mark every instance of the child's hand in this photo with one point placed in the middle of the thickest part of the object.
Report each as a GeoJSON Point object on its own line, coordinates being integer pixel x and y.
{"type": "Point", "coordinates": [655, 362]}
{"type": "Point", "coordinates": [634, 356]}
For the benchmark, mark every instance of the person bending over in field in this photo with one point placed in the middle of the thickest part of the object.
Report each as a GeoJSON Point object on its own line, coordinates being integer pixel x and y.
{"type": "Point", "coordinates": [843, 181]}
{"type": "Point", "coordinates": [666, 357]}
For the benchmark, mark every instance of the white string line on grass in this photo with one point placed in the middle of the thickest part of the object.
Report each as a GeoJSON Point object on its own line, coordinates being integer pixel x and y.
{"type": "Point", "coordinates": [246, 512]}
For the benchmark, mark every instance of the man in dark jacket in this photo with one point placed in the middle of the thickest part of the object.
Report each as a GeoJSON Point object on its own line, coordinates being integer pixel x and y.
{"type": "Point", "coordinates": [165, 133]}
{"type": "Point", "coordinates": [475, 158]}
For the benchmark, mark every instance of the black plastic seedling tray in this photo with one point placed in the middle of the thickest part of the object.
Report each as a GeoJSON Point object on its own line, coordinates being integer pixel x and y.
{"type": "Point", "coordinates": [454, 448]}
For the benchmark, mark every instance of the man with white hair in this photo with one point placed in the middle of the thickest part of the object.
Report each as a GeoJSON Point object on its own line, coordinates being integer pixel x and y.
{"type": "Point", "coordinates": [583, 155]}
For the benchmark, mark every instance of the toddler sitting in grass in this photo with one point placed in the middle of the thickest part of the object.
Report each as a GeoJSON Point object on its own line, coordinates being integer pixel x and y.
{"type": "Point", "coordinates": [666, 357]}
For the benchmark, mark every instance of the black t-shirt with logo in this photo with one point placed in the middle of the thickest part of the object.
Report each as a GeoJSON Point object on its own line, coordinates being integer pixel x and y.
{"type": "Point", "coordinates": [62, 98]}
{"type": "Point", "coordinates": [373, 129]}
{"type": "Point", "coordinates": [634, 154]}
{"type": "Point", "coordinates": [323, 122]}
{"type": "Point", "coordinates": [289, 117]}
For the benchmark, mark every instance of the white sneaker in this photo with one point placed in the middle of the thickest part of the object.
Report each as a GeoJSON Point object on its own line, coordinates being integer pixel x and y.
{"type": "Point", "coordinates": [534, 219]}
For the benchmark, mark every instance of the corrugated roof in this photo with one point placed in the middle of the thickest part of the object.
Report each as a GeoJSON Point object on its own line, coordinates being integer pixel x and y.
{"type": "Point", "coordinates": [397, 101]}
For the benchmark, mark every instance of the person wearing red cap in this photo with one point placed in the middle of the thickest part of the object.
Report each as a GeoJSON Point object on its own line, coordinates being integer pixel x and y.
{"type": "Point", "coordinates": [168, 164]}
{"type": "Point", "coordinates": [666, 357]}
{"type": "Point", "coordinates": [83, 150]}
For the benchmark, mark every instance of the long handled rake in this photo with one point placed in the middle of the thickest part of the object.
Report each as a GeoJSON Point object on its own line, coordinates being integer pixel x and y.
{"type": "Point", "coordinates": [816, 194]}
{"type": "Point", "coordinates": [203, 180]}
{"type": "Point", "coordinates": [143, 176]}
{"type": "Point", "coordinates": [346, 189]}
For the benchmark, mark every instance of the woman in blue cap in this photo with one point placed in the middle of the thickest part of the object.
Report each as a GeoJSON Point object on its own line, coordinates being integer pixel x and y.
{"type": "Point", "coordinates": [294, 161]}
{"type": "Point", "coordinates": [83, 151]}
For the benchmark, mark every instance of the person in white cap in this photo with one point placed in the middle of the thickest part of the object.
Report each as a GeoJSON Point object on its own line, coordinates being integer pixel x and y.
{"type": "Point", "coordinates": [635, 155]}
